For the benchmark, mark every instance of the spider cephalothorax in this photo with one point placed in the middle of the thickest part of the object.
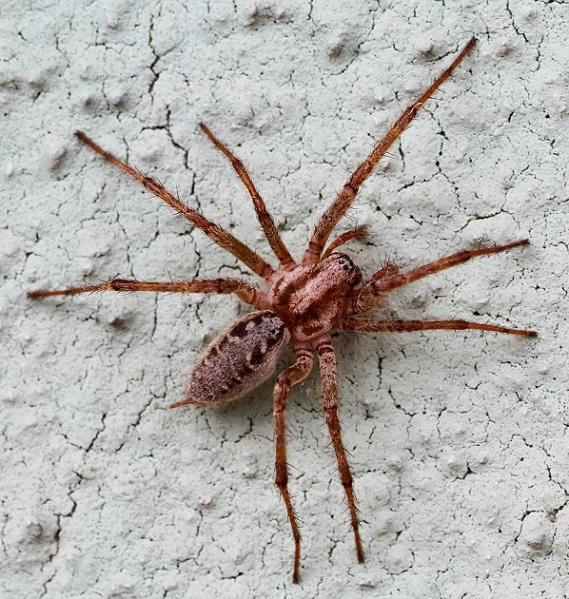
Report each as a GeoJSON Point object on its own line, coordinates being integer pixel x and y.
{"type": "Point", "coordinates": [302, 303]}
{"type": "Point", "coordinates": [311, 298]}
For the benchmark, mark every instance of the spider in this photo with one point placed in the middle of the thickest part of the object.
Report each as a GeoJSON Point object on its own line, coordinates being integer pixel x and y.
{"type": "Point", "coordinates": [303, 302]}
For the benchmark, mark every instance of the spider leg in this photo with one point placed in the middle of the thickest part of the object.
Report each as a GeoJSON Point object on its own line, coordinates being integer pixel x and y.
{"type": "Point", "coordinates": [347, 195]}
{"type": "Point", "coordinates": [265, 219]}
{"type": "Point", "coordinates": [378, 286]}
{"type": "Point", "coordinates": [291, 376]}
{"type": "Point", "coordinates": [245, 292]}
{"type": "Point", "coordinates": [359, 232]}
{"type": "Point", "coordinates": [371, 325]}
{"type": "Point", "coordinates": [329, 381]}
{"type": "Point", "coordinates": [217, 234]}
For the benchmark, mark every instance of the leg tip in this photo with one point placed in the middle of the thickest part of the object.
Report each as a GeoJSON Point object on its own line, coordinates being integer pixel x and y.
{"type": "Point", "coordinates": [524, 333]}
{"type": "Point", "coordinates": [41, 293]}
{"type": "Point", "coordinates": [517, 244]}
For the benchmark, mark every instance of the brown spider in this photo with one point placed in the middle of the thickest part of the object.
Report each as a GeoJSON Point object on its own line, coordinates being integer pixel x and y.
{"type": "Point", "coordinates": [304, 301]}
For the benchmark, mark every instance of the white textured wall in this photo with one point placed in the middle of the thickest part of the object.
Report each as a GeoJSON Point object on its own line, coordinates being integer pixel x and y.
{"type": "Point", "coordinates": [459, 441]}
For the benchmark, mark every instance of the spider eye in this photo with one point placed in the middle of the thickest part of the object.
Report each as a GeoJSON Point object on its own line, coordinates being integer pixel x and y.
{"type": "Point", "coordinates": [345, 262]}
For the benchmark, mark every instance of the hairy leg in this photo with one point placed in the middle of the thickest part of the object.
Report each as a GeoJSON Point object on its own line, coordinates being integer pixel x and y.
{"type": "Point", "coordinates": [329, 377]}
{"type": "Point", "coordinates": [379, 285]}
{"type": "Point", "coordinates": [347, 195]}
{"type": "Point", "coordinates": [247, 293]}
{"type": "Point", "coordinates": [371, 325]}
{"type": "Point", "coordinates": [358, 232]}
{"type": "Point", "coordinates": [216, 233]}
{"type": "Point", "coordinates": [265, 219]}
{"type": "Point", "coordinates": [291, 376]}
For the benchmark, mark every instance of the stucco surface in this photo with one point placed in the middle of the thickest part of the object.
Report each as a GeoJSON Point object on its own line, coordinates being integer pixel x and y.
{"type": "Point", "coordinates": [458, 441]}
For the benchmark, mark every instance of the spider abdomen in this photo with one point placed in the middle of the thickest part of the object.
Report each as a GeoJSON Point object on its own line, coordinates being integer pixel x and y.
{"type": "Point", "coordinates": [237, 361]}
